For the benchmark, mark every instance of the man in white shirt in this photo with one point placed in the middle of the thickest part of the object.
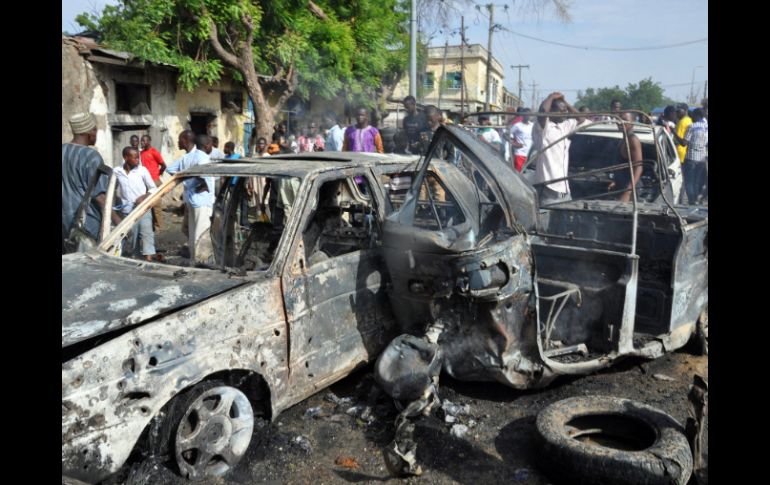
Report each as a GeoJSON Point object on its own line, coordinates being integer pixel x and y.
{"type": "Point", "coordinates": [216, 154]}
{"type": "Point", "coordinates": [521, 139]}
{"type": "Point", "coordinates": [553, 163]}
{"type": "Point", "coordinates": [489, 134]}
{"type": "Point", "coordinates": [198, 192]}
{"type": "Point", "coordinates": [136, 184]}
{"type": "Point", "coordinates": [335, 134]}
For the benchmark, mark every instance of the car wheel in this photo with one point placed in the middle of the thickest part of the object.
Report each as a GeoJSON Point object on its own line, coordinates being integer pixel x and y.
{"type": "Point", "coordinates": [599, 440]}
{"type": "Point", "coordinates": [211, 430]}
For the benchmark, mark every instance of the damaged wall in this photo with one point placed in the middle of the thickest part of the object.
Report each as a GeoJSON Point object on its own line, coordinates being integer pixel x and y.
{"type": "Point", "coordinates": [90, 76]}
{"type": "Point", "coordinates": [82, 92]}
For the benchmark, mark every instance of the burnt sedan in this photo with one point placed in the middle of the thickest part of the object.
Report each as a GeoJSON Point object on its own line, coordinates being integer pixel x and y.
{"type": "Point", "coordinates": [179, 360]}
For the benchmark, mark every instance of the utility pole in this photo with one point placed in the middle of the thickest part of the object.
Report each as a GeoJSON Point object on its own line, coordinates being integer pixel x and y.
{"type": "Point", "coordinates": [520, 67]}
{"type": "Point", "coordinates": [413, 50]}
{"type": "Point", "coordinates": [491, 8]}
{"type": "Point", "coordinates": [462, 66]}
{"type": "Point", "coordinates": [706, 89]}
{"type": "Point", "coordinates": [534, 96]}
{"type": "Point", "coordinates": [443, 73]}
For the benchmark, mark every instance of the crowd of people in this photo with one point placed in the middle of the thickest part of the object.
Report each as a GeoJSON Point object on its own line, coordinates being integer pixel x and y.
{"type": "Point", "coordinates": [85, 176]}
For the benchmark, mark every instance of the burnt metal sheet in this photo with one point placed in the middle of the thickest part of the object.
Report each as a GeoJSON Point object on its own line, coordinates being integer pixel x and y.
{"type": "Point", "coordinates": [102, 294]}
{"type": "Point", "coordinates": [518, 194]}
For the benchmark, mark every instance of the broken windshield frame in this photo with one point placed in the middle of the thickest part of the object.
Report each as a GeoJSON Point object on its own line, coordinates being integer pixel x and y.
{"type": "Point", "coordinates": [112, 243]}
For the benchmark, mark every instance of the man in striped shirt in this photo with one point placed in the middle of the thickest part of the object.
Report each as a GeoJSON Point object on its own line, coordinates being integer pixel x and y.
{"type": "Point", "coordinates": [694, 169]}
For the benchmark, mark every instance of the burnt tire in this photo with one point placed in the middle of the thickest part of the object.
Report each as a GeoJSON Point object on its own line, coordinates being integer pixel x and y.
{"type": "Point", "coordinates": [212, 404]}
{"type": "Point", "coordinates": [609, 440]}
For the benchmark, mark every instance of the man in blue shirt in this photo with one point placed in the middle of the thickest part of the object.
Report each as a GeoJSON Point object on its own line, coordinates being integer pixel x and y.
{"type": "Point", "coordinates": [198, 193]}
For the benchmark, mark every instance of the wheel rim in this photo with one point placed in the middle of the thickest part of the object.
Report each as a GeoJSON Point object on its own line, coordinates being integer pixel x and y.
{"type": "Point", "coordinates": [214, 433]}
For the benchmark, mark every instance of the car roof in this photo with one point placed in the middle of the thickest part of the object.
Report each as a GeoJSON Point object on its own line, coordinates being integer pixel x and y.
{"type": "Point", "coordinates": [300, 164]}
{"type": "Point", "coordinates": [610, 130]}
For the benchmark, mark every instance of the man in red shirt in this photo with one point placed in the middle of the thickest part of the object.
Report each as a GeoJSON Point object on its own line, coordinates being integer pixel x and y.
{"type": "Point", "coordinates": [153, 162]}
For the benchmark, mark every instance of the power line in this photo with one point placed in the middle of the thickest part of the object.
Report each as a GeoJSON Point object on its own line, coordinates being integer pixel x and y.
{"type": "Point", "coordinates": [617, 49]}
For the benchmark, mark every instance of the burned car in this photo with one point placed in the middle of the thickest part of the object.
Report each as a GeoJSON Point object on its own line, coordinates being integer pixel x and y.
{"type": "Point", "coordinates": [487, 286]}
{"type": "Point", "coordinates": [179, 361]}
{"type": "Point", "coordinates": [593, 151]}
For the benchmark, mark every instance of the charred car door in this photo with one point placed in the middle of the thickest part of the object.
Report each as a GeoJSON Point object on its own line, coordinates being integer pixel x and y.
{"type": "Point", "coordinates": [334, 283]}
{"type": "Point", "coordinates": [461, 264]}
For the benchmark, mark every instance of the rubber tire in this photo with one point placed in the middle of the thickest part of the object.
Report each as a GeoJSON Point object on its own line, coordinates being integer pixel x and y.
{"type": "Point", "coordinates": [667, 461]}
{"type": "Point", "coordinates": [164, 445]}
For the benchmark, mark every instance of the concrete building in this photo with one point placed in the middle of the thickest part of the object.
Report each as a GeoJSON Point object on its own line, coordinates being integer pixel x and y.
{"type": "Point", "coordinates": [131, 97]}
{"type": "Point", "coordinates": [430, 82]}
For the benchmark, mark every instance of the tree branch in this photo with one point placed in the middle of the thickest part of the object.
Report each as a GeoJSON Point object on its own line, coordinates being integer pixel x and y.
{"type": "Point", "coordinates": [221, 52]}
{"type": "Point", "coordinates": [317, 11]}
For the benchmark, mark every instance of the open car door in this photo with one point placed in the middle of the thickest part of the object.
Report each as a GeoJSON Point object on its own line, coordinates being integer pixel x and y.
{"type": "Point", "coordinates": [461, 263]}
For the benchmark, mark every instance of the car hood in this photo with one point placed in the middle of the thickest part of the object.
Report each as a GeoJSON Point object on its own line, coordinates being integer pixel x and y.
{"type": "Point", "coordinates": [101, 293]}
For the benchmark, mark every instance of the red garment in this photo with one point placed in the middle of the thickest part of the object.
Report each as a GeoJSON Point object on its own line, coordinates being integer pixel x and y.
{"type": "Point", "coordinates": [519, 161]}
{"type": "Point", "coordinates": [151, 160]}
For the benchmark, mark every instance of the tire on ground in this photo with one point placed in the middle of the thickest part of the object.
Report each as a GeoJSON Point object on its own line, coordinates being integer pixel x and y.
{"type": "Point", "coordinates": [656, 450]}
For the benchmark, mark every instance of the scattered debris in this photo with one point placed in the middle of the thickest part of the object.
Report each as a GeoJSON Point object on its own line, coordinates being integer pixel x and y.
{"type": "Point", "coordinates": [303, 443]}
{"type": "Point", "coordinates": [313, 412]}
{"type": "Point", "coordinates": [338, 401]}
{"type": "Point", "coordinates": [459, 430]}
{"type": "Point", "coordinates": [346, 462]}
{"type": "Point", "coordinates": [697, 409]}
{"type": "Point", "coordinates": [663, 377]}
{"type": "Point", "coordinates": [521, 474]}
{"type": "Point", "coordinates": [452, 409]}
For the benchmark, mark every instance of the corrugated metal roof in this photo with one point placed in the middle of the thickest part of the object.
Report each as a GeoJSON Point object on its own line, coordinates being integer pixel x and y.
{"type": "Point", "coordinates": [87, 46]}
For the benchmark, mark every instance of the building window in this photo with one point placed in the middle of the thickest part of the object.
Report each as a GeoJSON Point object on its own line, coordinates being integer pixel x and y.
{"type": "Point", "coordinates": [132, 98]}
{"type": "Point", "coordinates": [493, 89]}
{"type": "Point", "coordinates": [454, 80]}
{"type": "Point", "coordinates": [233, 101]}
{"type": "Point", "coordinates": [428, 80]}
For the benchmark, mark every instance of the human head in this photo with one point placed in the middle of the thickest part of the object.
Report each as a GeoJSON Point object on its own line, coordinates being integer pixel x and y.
{"type": "Point", "coordinates": [146, 142]}
{"type": "Point", "coordinates": [83, 126]}
{"type": "Point", "coordinates": [582, 109]}
{"type": "Point", "coordinates": [698, 114]}
{"type": "Point", "coordinates": [282, 128]}
{"type": "Point", "coordinates": [410, 104]}
{"type": "Point", "coordinates": [215, 141]}
{"type": "Point", "coordinates": [629, 118]}
{"type": "Point", "coordinates": [559, 106]}
{"type": "Point", "coordinates": [186, 140]}
{"type": "Point", "coordinates": [203, 142]}
{"type": "Point", "coordinates": [312, 128]}
{"type": "Point", "coordinates": [330, 118]}
{"type": "Point", "coordinates": [484, 120]}
{"type": "Point", "coordinates": [434, 115]}
{"type": "Point", "coordinates": [261, 144]}
{"type": "Point", "coordinates": [526, 115]}
{"type": "Point", "coordinates": [229, 148]}
{"type": "Point", "coordinates": [362, 117]}
{"type": "Point", "coordinates": [681, 110]}
{"type": "Point", "coordinates": [134, 140]}
{"type": "Point", "coordinates": [615, 105]}
{"type": "Point", "coordinates": [669, 113]}
{"type": "Point", "coordinates": [131, 156]}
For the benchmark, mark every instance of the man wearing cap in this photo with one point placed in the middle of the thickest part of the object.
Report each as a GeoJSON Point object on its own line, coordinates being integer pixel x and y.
{"type": "Point", "coordinates": [553, 163]}
{"type": "Point", "coordinates": [80, 165]}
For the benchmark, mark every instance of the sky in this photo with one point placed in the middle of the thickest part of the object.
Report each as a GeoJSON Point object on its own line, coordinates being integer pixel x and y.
{"type": "Point", "coordinates": [614, 24]}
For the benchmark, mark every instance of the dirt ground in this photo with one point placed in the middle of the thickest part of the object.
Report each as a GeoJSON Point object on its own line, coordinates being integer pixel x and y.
{"type": "Point", "coordinates": [333, 438]}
